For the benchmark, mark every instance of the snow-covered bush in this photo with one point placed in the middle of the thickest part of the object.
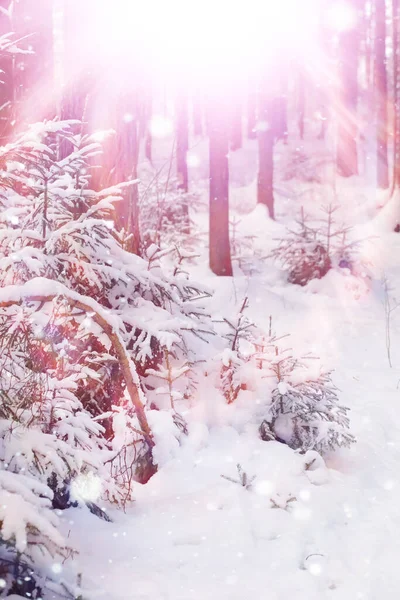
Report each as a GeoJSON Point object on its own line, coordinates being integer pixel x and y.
{"type": "Point", "coordinates": [234, 361]}
{"type": "Point", "coordinates": [29, 536]}
{"type": "Point", "coordinates": [164, 211]}
{"type": "Point", "coordinates": [294, 398]}
{"type": "Point", "coordinates": [311, 249]}
{"type": "Point", "coordinates": [304, 411]}
{"type": "Point", "coordinates": [301, 166]}
{"type": "Point", "coordinates": [62, 339]}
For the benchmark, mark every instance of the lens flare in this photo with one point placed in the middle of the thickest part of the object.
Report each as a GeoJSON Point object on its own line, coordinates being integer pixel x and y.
{"type": "Point", "coordinates": [342, 17]}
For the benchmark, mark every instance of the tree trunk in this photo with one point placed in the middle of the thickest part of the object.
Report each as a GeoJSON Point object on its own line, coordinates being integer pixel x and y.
{"type": "Point", "coordinates": [301, 103]}
{"type": "Point", "coordinates": [78, 69]}
{"type": "Point", "coordinates": [251, 114]}
{"type": "Point", "coordinates": [182, 140]}
{"type": "Point", "coordinates": [346, 150]}
{"type": "Point", "coordinates": [197, 114]}
{"type": "Point", "coordinates": [7, 88]}
{"type": "Point", "coordinates": [396, 95]}
{"type": "Point", "coordinates": [381, 94]}
{"type": "Point", "coordinates": [236, 136]}
{"type": "Point", "coordinates": [33, 24]}
{"type": "Point", "coordinates": [220, 252]}
{"type": "Point", "coordinates": [265, 134]}
{"type": "Point", "coordinates": [126, 170]}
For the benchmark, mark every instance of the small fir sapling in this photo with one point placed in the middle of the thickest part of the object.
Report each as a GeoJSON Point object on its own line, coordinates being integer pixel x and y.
{"type": "Point", "coordinates": [29, 535]}
{"type": "Point", "coordinates": [242, 246]}
{"type": "Point", "coordinates": [243, 478]}
{"type": "Point", "coordinates": [170, 373]}
{"type": "Point", "coordinates": [232, 358]}
{"type": "Point", "coordinates": [164, 214]}
{"type": "Point", "coordinates": [312, 249]}
{"type": "Point", "coordinates": [60, 229]}
{"type": "Point", "coordinates": [304, 411]}
{"type": "Point", "coordinates": [303, 167]}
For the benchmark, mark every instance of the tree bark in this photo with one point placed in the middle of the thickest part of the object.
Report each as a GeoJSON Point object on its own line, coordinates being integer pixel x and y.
{"type": "Point", "coordinates": [126, 162]}
{"type": "Point", "coordinates": [33, 24]}
{"type": "Point", "coordinates": [301, 103]}
{"type": "Point", "coordinates": [265, 134]}
{"type": "Point", "coordinates": [7, 88]}
{"type": "Point", "coordinates": [220, 252]}
{"type": "Point", "coordinates": [346, 150]}
{"type": "Point", "coordinates": [396, 95]}
{"type": "Point", "coordinates": [182, 140]}
{"type": "Point", "coordinates": [197, 114]}
{"type": "Point", "coordinates": [381, 94]}
{"type": "Point", "coordinates": [236, 135]}
{"type": "Point", "coordinates": [251, 115]}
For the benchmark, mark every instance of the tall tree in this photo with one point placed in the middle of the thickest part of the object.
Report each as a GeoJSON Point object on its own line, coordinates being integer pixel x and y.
{"type": "Point", "coordinates": [197, 112]}
{"type": "Point", "coordinates": [265, 135]}
{"type": "Point", "coordinates": [218, 128]}
{"type": "Point", "coordinates": [396, 94]}
{"type": "Point", "coordinates": [7, 88]}
{"type": "Point", "coordinates": [381, 88]}
{"type": "Point", "coordinates": [34, 71]}
{"type": "Point", "coordinates": [251, 114]}
{"type": "Point", "coordinates": [347, 128]}
{"type": "Point", "coordinates": [236, 134]}
{"type": "Point", "coordinates": [126, 162]}
{"type": "Point", "coordinates": [182, 139]}
{"type": "Point", "coordinates": [301, 102]}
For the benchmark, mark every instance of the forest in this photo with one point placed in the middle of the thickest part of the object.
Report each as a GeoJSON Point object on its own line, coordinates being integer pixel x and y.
{"type": "Point", "coordinates": [199, 324]}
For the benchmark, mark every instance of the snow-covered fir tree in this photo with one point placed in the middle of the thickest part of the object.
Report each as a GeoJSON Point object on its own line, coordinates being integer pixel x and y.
{"type": "Point", "coordinates": [81, 321]}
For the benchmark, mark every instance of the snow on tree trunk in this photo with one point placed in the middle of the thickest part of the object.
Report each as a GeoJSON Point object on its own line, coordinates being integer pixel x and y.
{"type": "Point", "coordinates": [381, 94]}
{"type": "Point", "coordinates": [220, 252]}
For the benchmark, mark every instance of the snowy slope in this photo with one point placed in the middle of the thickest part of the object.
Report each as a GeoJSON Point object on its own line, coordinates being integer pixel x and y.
{"type": "Point", "coordinates": [322, 531]}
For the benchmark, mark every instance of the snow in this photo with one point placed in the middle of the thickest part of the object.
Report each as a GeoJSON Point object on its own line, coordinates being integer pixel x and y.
{"type": "Point", "coordinates": [306, 529]}
{"type": "Point", "coordinates": [229, 516]}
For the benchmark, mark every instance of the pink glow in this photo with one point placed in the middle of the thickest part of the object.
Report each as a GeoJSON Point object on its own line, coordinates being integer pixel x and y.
{"type": "Point", "coordinates": [180, 35]}
{"type": "Point", "coordinates": [341, 16]}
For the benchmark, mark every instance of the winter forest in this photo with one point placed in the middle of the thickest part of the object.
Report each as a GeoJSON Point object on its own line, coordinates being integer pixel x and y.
{"type": "Point", "coordinates": [199, 299]}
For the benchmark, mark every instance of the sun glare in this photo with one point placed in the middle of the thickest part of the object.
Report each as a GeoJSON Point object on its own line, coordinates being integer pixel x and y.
{"type": "Point", "coordinates": [341, 16]}
{"type": "Point", "coordinates": [181, 35]}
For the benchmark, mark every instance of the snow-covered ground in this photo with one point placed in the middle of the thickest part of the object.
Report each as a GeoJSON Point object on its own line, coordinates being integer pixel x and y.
{"type": "Point", "coordinates": [303, 529]}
